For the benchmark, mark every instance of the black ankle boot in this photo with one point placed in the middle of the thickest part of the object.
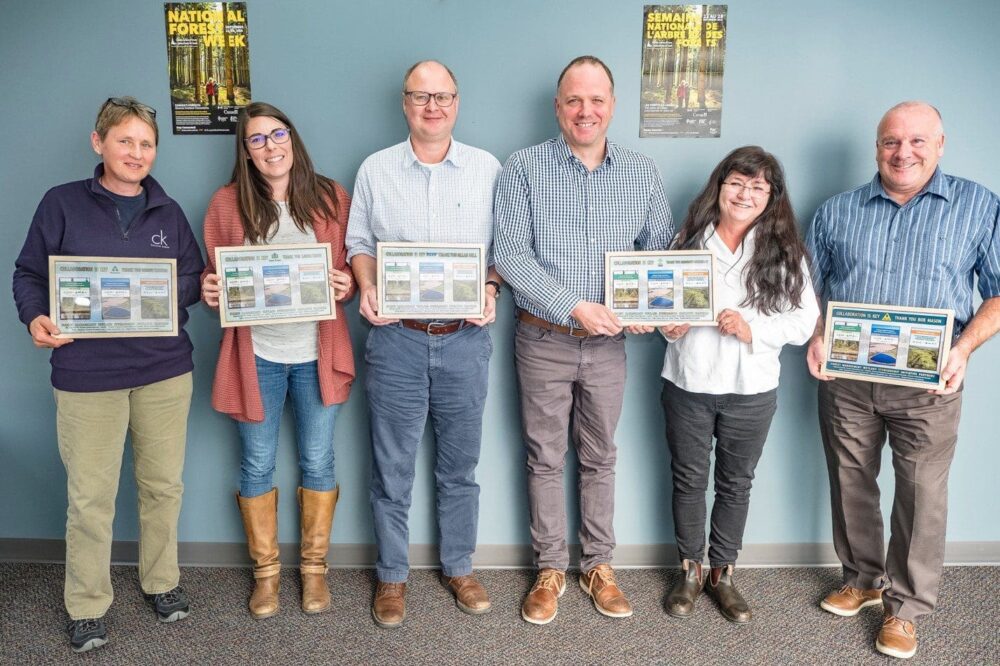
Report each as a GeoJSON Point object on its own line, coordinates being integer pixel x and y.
{"type": "Point", "coordinates": [680, 601]}
{"type": "Point", "coordinates": [720, 587]}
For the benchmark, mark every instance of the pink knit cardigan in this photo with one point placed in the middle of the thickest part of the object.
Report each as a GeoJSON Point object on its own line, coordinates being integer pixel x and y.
{"type": "Point", "coordinates": [236, 391]}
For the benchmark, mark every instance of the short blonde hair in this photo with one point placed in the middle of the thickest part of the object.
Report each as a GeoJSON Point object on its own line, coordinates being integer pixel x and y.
{"type": "Point", "coordinates": [116, 110]}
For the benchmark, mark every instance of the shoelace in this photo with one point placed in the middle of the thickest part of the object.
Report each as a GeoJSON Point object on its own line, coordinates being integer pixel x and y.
{"type": "Point", "coordinates": [548, 580]}
{"type": "Point", "coordinates": [606, 575]}
{"type": "Point", "coordinates": [89, 624]}
{"type": "Point", "coordinates": [390, 590]}
{"type": "Point", "coordinates": [168, 597]}
{"type": "Point", "coordinates": [904, 626]}
{"type": "Point", "coordinates": [853, 591]}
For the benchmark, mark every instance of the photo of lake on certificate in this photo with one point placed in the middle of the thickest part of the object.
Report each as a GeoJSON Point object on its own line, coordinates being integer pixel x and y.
{"type": "Point", "coordinates": [154, 298]}
{"type": "Point", "coordinates": [925, 350]}
{"type": "Point", "coordinates": [626, 290]}
{"type": "Point", "coordinates": [239, 288]}
{"type": "Point", "coordinates": [660, 288]}
{"type": "Point", "coordinates": [116, 302]}
{"type": "Point", "coordinates": [696, 290]}
{"type": "Point", "coordinates": [846, 342]}
{"type": "Point", "coordinates": [277, 286]}
{"type": "Point", "coordinates": [74, 299]}
{"type": "Point", "coordinates": [313, 284]}
{"type": "Point", "coordinates": [883, 345]}
{"type": "Point", "coordinates": [397, 282]}
{"type": "Point", "coordinates": [431, 282]}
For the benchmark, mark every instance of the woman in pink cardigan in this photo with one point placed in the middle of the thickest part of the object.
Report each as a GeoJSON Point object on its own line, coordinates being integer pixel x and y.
{"type": "Point", "coordinates": [275, 197]}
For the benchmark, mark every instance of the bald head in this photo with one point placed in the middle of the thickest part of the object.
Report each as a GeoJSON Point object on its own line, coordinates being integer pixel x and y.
{"type": "Point", "coordinates": [916, 109]}
{"type": "Point", "coordinates": [432, 66]}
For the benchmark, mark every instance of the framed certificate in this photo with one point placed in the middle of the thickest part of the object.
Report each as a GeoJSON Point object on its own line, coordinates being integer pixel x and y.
{"type": "Point", "coordinates": [109, 297]}
{"type": "Point", "coordinates": [657, 288]}
{"type": "Point", "coordinates": [887, 344]}
{"type": "Point", "coordinates": [431, 280]}
{"type": "Point", "coordinates": [274, 284]}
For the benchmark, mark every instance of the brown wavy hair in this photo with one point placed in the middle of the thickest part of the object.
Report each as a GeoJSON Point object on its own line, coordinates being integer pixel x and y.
{"type": "Point", "coordinates": [310, 195]}
{"type": "Point", "coordinates": [774, 275]}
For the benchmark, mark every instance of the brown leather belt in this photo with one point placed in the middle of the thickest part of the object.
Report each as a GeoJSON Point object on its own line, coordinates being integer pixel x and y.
{"type": "Point", "coordinates": [433, 327]}
{"type": "Point", "coordinates": [529, 318]}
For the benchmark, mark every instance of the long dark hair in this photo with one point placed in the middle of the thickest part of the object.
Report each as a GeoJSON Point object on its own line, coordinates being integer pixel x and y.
{"type": "Point", "coordinates": [774, 275]}
{"type": "Point", "coordinates": [309, 194]}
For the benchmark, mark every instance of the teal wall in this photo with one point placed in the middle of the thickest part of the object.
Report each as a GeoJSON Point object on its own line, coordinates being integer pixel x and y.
{"type": "Point", "coordinates": [808, 80]}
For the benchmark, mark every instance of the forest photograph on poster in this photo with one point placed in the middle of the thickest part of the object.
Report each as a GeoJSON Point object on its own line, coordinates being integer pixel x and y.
{"type": "Point", "coordinates": [208, 60]}
{"type": "Point", "coordinates": [683, 51]}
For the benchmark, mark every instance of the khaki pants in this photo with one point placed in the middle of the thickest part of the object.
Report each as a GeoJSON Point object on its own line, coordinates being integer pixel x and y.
{"type": "Point", "coordinates": [91, 429]}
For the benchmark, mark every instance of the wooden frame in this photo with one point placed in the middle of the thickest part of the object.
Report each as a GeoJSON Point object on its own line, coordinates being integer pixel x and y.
{"type": "Point", "coordinates": [640, 287]}
{"type": "Point", "coordinates": [421, 280]}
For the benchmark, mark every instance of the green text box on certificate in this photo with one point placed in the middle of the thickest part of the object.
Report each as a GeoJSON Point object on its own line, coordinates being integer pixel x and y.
{"type": "Point", "coordinates": [887, 344]}
{"type": "Point", "coordinates": [657, 288]}
{"type": "Point", "coordinates": [109, 297]}
{"type": "Point", "coordinates": [274, 284]}
{"type": "Point", "coordinates": [431, 281]}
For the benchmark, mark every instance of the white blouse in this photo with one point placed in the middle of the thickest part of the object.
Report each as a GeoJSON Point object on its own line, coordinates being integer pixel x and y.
{"type": "Point", "coordinates": [703, 361]}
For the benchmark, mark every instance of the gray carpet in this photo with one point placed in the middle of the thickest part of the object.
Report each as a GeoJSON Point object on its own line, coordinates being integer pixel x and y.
{"type": "Point", "coordinates": [788, 627]}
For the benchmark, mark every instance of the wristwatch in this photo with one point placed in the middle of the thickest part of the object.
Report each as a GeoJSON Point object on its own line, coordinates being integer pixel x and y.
{"type": "Point", "coordinates": [496, 287]}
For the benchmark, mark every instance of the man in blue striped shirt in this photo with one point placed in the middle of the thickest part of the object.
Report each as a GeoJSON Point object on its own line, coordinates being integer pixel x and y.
{"type": "Point", "coordinates": [559, 207]}
{"type": "Point", "coordinates": [427, 189]}
{"type": "Point", "coordinates": [913, 236]}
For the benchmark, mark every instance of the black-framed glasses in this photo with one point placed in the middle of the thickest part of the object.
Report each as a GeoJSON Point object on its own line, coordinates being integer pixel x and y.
{"type": "Point", "coordinates": [422, 98]}
{"type": "Point", "coordinates": [130, 103]}
{"type": "Point", "coordinates": [756, 191]}
{"type": "Point", "coordinates": [277, 135]}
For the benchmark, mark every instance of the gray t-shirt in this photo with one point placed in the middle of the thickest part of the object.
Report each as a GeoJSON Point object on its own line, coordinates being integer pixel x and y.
{"type": "Point", "coordinates": [294, 342]}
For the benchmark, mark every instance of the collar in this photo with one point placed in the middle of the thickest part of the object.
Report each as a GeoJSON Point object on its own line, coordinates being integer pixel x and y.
{"type": "Point", "coordinates": [155, 196]}
{"type": "Point", "coordinates": [937, 185]}
{"type": "Point", "coordinates": [722, 252]}
{"type": "Point", "coordinates": [453, 156]}
{"type": "Point", "coordinates": [564, 153]}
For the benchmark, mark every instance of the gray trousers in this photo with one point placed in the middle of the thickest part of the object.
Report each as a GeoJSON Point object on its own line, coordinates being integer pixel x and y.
{"type": "Point", "coordinates": [568, 381]}
{"type": "Point", "coordinates": [854, 418]}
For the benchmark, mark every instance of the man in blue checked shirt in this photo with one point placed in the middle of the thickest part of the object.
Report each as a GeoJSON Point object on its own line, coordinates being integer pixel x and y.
{"type": "Point", "coordinates": [559, 207]}
{"type": "Point", "coordinates": [913, 236]}
{"type": "Point", "coordinates": [430, 189]}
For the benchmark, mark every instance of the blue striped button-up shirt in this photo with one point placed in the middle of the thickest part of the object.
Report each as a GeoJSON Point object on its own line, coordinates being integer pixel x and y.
{"type": "Point", "coordinates": [866, 248]}
{"type": "Point", "coordinates": [398, 199]}
{"type": "Point", "coordinates": [555, 220]}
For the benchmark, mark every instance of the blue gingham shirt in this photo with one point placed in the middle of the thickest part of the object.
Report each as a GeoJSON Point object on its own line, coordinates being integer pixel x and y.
{"type": "Point", "coordinates": [866, 248]}
{"type": "Point", "coordinates": [398, 199]}
{"type": "Point", "coordinates": [555, 220]}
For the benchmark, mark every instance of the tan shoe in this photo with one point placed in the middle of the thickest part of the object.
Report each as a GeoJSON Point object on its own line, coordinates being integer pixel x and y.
{"type": "Point", "coordinates": [848, 601]}
{"type": "Point", "coordinates": [600, 584]}
{"type": "Point", "coordinates": [389, 605]}
{"type": "Point", "coordinates": [316, 509]}
{"type": "Point", "coordinates": [897, 638]}
{"type": "Point", "coordinates": [470, 595]}
{"type": "Point", "coordinates": [260, 522]}
{"type": "Point", "coordinates": [542, 603]}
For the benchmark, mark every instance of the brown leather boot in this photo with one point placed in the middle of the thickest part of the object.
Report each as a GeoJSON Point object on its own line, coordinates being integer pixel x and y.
{"type": "Point", "coordinates": [260, 522]}
{"type": "Point", "coordinates": [316, 509]}
{"type": "Point", "coordinates": [680, 601]}
{"type": "Point", "coordinates": [732, 605]}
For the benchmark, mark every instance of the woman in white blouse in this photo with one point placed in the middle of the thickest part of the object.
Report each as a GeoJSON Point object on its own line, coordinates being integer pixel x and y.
{"type": "Point", "coordinates": [721, 382]}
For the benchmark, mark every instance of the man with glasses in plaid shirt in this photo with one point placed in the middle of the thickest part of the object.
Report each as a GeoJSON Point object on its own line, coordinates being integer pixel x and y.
{"type": "Point", "coordinates": [559, 207]}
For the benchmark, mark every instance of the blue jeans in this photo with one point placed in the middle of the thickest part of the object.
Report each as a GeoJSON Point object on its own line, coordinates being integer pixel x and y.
{"type": "Point", "coordinates": [411, 374]}
{"type": "Point", "coordinates": [313, 428]}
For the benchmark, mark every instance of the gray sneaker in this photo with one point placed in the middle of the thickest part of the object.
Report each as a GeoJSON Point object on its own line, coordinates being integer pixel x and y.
{"type": "Point", "coordinates": [87, 634]}
{"type": "Point", "coordinates": [170, 606]}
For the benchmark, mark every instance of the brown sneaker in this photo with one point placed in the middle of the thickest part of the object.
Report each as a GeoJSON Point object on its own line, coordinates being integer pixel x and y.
{"type": "Point", "coordinates": [389, 605]}
{"type": "Point", "coordinates": [600, 584]}
{"type": "Point", "coordinates": [470, 595]}
{"type": "Point", "coordinates": [542, 603]}
{"type": "Point", "coordinates": [897, 638]}
{"type": "Point", "coordinates": [848, 601]}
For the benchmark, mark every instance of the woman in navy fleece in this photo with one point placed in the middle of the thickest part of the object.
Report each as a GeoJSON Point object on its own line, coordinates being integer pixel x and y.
{"type": "Point", "coordinates": [107, 387]}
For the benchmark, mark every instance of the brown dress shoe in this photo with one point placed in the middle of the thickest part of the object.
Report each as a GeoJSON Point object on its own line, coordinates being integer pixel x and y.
{"type": "Point", "coordinates": [470, 595]}
{"type": "Point", "coordinates": [897, 638]}
{"type": "Point", "coordinates": [732, 605]}
{"type": "Point", "coordinates": [680, 601]}
{"type": "Point", "coordinates": [389, 606]}
{"type": "Point", "coordinates": [848, 601]}
{"type": "Point", "coordinates": [542, 603]}
{"type": "Point", "coordinates": [600, 584]}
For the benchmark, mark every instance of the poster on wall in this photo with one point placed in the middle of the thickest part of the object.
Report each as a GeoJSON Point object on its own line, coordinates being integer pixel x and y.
{"type": "Point", "coordinates": [683, 49]}
{"type": "Point", "coordinates": [208, 63]}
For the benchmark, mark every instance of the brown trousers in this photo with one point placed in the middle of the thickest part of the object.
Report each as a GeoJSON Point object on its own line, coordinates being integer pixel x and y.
{"type": "Point", "coordinates": [854, 418]}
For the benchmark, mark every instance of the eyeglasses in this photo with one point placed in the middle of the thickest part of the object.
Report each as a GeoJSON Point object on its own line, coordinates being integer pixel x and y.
{"type": "Point", "coordinates": [421, 98]}
{"type": "Point", "coordinates": [277, 135]}
{"type": "Point", "coordinates": [130, 103]}
{"type": "Point", "coordinates": [756, 191]}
